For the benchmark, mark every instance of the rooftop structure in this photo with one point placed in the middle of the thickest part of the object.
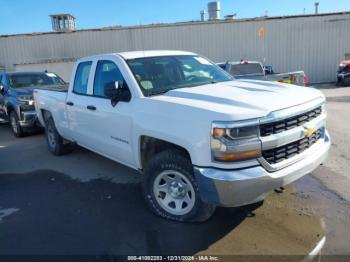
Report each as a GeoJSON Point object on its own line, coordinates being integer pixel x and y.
{"type": "Point", "coordinates": [63, 22]}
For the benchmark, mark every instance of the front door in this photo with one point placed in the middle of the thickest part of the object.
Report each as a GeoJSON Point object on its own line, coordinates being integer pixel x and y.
{"type": "Point", "coordinates": [112, 126]}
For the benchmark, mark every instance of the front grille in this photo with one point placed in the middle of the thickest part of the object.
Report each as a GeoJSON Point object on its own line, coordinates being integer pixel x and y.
{"type": "Point", "coordinates": [289, 123]}
{"type": "Point", "coordinates": [26, 107]}
{"type": "Point", "coordinates": [276, 155]}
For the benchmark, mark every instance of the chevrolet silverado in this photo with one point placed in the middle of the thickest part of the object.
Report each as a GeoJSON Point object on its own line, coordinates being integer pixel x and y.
{"type": "Point", "coordinates": [199, 137]}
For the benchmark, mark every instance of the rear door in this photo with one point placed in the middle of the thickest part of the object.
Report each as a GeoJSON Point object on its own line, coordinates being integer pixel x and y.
{"type": "Point", "coordinates": [76, 105]}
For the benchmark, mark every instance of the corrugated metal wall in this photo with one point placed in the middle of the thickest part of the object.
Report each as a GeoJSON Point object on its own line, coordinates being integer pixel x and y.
{"type": "Point", "coordinates": [315, 44]}
{"type": "Point", "coordinates": [63, 69]}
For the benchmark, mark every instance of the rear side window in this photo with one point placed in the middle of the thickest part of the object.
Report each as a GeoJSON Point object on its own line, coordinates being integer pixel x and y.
{"type": "Point", "coordinates": [106, 72]}
{"type": "Point", "coordinates": [82, 78]}
{"type": "Point", "coordinates": [246, 69]}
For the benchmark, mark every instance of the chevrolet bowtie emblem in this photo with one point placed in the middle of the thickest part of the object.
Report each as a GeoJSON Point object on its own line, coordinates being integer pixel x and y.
{"type": "Point", "coordinates": [309, 131]}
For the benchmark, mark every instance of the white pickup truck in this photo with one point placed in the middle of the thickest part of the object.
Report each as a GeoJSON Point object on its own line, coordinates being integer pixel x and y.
{"type": "Point", "coordinates": [200, 138]}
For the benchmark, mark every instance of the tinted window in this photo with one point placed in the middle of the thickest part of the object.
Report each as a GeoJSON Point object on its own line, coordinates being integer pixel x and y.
{"type": "Point", "coordinates": [106, 72]}
{"type": "Point", "coordinates": [82, 78]}
{"type": "Point", "coordinates": [19, 80]}
{"type": "Point", "coordinates": [246, 69]}
{"type": "Point", "coordinates": [223, 66]}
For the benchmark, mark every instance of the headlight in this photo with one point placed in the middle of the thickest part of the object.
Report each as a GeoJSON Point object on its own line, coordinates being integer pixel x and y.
{"type": "Point", "coordinates": [230, 144]}
{"type": "Point", "coordinates": [26, 99]}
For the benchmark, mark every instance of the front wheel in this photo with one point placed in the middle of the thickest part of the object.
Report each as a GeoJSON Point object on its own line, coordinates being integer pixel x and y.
{"type": "Point", "coordinates": [171, 190]}
{"type": "Point", "coordinates": [15, 126]}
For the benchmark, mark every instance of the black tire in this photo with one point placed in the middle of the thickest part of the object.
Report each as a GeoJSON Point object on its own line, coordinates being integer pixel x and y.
{"type": "Point", "coordinates": [173, 160]}
{"type": "Point", "coordinates": [341, 82]}
{"type": "Point", "coordinates": [55, 142]}
{"type": "Point", "coordinates": [15, 126]}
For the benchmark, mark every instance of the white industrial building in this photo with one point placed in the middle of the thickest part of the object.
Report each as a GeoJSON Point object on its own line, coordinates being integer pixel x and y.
{"type": "Point", "coordinates": [313, 43]}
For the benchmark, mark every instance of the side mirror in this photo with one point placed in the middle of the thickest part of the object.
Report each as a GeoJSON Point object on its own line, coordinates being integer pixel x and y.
{"type": "Point", "coordinates": [112, 91]}
{"type": "Point", "coordinates": [116, 91]}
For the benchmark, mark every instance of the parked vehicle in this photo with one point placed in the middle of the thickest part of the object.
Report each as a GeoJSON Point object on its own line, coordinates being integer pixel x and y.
{"type": "Point", "coordinates": [200, 138]}
{"type": "Point", "coordinates": [16, 98]}
{"type": "Point", "coordinates": [255, 70]}
{"type": "Point", "coordinates": [343, 76]}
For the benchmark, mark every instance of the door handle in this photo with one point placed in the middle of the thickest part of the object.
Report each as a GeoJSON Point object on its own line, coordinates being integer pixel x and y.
{"type": "Point", "coordinates": [69, 103]}
{"type": "Point", "coordinates": [91, 108]}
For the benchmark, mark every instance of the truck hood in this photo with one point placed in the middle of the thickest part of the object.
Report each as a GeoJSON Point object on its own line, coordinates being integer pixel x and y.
{"type": "Point", "coordinates": [23, 91]}
{"type": "Point", "coordinates": [242, 99]}
{"type": "Point", "coordinates": [28, 91]}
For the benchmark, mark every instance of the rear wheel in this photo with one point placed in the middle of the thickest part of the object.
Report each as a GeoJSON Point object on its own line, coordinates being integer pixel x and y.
{"type": "Point", "coordinates": [171, 190]}
{"type": "Point", "coordinates": [55, 142]}
{"type": "Point", "coordinates": [15, 126]}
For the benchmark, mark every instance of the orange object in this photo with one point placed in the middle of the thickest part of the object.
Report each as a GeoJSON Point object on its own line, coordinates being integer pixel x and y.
{"type": "Point", "coordinates": [238, 156]}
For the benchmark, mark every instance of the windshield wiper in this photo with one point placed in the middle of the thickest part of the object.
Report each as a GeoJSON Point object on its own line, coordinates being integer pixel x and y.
{"type": "Point", "coordinates": [158, 92]}
{"type": "Point", "coordinates": [179, 87]}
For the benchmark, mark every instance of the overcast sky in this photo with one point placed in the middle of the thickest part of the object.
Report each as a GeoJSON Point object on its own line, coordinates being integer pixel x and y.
{"type": "Point", "coordinates": [26, 16]}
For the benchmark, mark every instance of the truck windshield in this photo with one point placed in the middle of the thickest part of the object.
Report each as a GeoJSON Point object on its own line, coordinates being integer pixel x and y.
{"type": "Point", "coordinates": [19, 80]}
{"type": "Point", "coordinates": [157, 75]}
{"type": "Point", "coordinates": [246, 69]}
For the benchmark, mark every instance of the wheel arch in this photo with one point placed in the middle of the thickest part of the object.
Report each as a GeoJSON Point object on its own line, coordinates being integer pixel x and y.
{"type": "Point", "coordinates": [150, 146]}
{"type": "Point", "coordinates": [44, 115]}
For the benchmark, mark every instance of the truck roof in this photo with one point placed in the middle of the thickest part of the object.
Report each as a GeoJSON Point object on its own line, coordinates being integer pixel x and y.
{"type": "Point", "coordinates": [147, 53]}
{"type": "Point", "coordinates": [243, 62]}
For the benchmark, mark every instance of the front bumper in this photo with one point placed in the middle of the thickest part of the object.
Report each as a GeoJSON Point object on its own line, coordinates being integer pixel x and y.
{"type": "Point", "coordinates": [29, 119]}
{"type": "Point", "coordinates": [233, 188]}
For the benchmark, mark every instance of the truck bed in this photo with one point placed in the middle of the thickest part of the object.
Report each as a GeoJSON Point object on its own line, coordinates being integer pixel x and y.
{"type": "Point", "coordinates": [62, 88]}
{"type": "Point", "coordinates": [52, 100]}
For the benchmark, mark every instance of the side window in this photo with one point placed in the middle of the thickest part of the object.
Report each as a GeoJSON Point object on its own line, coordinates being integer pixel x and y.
{"type": "Point", "coordinates": [82, 77]}
{"type": "Point", "coordinates": [106, 72]}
